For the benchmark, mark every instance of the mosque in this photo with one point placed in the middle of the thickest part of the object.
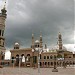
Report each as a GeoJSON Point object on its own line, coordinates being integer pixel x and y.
{"type": "Point", "coordinates": [37, 54]}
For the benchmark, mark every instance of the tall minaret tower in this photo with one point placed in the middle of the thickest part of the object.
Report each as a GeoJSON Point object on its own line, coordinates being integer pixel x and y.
{"type": "Point", "coordinates": [41, 40]}
{"type": "Point", "coordinates": [60, 41]}
{"type": "Point", "coordinates": [32, 46]}
{"type": "Point", "coordinates": [3, 16]}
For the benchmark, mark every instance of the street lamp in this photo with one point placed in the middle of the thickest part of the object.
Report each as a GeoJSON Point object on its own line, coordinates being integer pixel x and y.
{"type": "Point", "coordinates": [13, 60]}
{"type": "Point", "coordinates": [55, 69]}
{"type": "Point", "coordinates": [33, 57]}
{"type": "Point", "coordinates": [64, 64]}
{"type": "Point", "coordinates": [20, 61]}
{"type": "Point", "coordinates": [39, 52]}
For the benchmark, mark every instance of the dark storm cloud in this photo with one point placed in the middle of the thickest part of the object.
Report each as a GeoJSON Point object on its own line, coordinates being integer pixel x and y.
{"type": "Point", "coordinates": [47, 16]}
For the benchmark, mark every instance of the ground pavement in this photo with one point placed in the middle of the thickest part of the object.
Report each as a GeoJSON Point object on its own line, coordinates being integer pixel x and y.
{"type": "Point", "coordinates": [31, 71]}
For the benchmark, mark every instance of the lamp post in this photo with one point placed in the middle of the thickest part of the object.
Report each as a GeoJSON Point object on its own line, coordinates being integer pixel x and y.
{"type": "Point", "coordinates": [20, 61]}
{"type": "Point", "coordinates": [33, 58]}
{"type": "Point", "coordinates": [13, 62]}
{"type": "Point", "coordinates": [64, 64]}
{"type": "Point", "coordinates": [55, 69]}
{"type": "Point", "coordinates": [39, 52]}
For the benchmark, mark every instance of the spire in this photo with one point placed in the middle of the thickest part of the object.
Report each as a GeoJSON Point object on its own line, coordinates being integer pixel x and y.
{"type": "Point", "coordinates": [60, 41]}
{"type": "Point", "coordinates": [45, 46]}
{"type": "Point", "coordinates": [41, 39]}
{"type": "Point", "coordinates": [32, 41]}
{"type": "Point", "coordinates": [3, 11]}
{"type": "Point", "coordinates": [5, 5]}
{"type": "Point", "coordinates": [40, 34]}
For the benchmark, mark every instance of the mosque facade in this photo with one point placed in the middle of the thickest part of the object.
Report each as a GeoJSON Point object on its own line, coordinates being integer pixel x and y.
{"type": "Point", "coordinates": [37, 54]}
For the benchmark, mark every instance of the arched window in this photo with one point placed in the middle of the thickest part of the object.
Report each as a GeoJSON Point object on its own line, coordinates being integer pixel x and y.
{"type": "Point", "coordinates": [55, 56]}
{"type": "Point", "coordinates": [0, 32]}
{"type": "Point", "coordinates": [40, 56]}
{"type": "Point", "coordinates": [45, 63]}
{"type": "Point", "coordinates": [22, 55]}
{"type": "Point", "coordinates": [44, 57]}
{"type": "Point", "coordinates": [70, 62]}
{"type": "Point", "coordinates": [38, 45]}
{"type": "Point", "coordinates": [28, 54]}
{"type": "Point", "coordinates": [28, 58]}
{"type": "Point", "coordinates": [52, 63]}
{"type": "Point", "coordinates": [12, 59]}
{"type": "Point", "coordinates": [17, 60]}
{"type": "Point", "coordinates": [2, 57]}
{"type": "Point", "coordinates": [67, 63]}
{"type": "Point", "coordinates": [47, 57]}
{"type": "Point", "coordinates": [51, 57]}
{"type": "Point", "coordinates": [48, 63]}
{"type": "Point", "coordinates": [59, 56]}
{"type": "Point", "coordinates": [40, 64]}
{"type": "Point", "coordinates": [17, 55]}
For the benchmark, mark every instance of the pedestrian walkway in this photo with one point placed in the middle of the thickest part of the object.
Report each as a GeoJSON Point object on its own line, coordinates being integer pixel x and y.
{"type": "Point", "coordinates": [31, 71]}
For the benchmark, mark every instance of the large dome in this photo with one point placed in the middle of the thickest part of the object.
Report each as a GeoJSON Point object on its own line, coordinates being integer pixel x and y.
{"type": "Point", "coordinates": [16, 43]}
{"type": "Point", "coordinates": [37, 41]}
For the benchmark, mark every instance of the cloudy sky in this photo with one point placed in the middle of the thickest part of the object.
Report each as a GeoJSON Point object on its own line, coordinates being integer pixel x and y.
{"type": "Point", "coordinates": [25, 17]}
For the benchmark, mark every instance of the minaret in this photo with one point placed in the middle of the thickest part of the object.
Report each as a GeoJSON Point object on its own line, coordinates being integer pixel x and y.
{"type": "Point", "coordinates": [60, 41]}
{"type": "Point", "coordinates": [45, 46]}
{"type": "Point", "coordinates": [32, 46]}
{"type": "Point", "coordinates": [3, 16]}
{"type": "Point", "coordinates": [41, 40]}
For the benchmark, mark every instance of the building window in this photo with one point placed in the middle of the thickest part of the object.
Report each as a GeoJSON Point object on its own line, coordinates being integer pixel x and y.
{"type": "Point", "coordinates": [12, 60]}
{"type": "Point", "coordinates": [69, 57]}
{"type": "Point", "coordinates": [40, 64]}
{"type": "Point", "coordinates": [0, 32]}
{"type": "Point", "coordinates": [34, 59]}
{"type": "Point", "coordinates": [48, 63]}
{"type": "Point", "coordinates": [44, 57]}
{"type": "Point", "coordinates": [14, 47]}
{"type": "Point", "coordinates": [40, 56]}
{"type": "Point", "coordinates": [35, 45]}
{"type": "Point", "coordinates": [0, 41]}
{"type": "Point", "coordinates": [3, 43]}
{"type": "Point", "coordinates": [47, 57]}
{"type": "Point", "coordinates": [51, 57]}
{"type": "Point", "coordinates": [45, 63]}
{"type": "Point", "coordinates": [38, 45]}
{"type": "Point", "coordinates": [51, 63]}
{"type": "Point", "coordinates": [54, 56]}
{"type": "Point", "coordinates": [2, 57]}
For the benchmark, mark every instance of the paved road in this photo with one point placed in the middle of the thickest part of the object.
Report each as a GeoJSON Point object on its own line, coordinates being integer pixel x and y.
{"type": "Point", "coordinates": [31, 71]}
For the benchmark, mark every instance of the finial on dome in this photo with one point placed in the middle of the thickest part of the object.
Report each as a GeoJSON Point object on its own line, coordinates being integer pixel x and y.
{"type": "Point", "coordinates": [32, 34]}
{"type": "Point", "coordinates": [40, 34]}
{"type": "Point", "coordinates": [59, 33]}
{"type": "Point", "coordinates": [4, 5]}
{"type": "Point", "coordinates": [4, 9]}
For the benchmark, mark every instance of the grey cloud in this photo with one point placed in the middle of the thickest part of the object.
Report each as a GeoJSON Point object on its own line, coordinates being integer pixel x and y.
{"type": "Point", "coordinates": [47, 16]}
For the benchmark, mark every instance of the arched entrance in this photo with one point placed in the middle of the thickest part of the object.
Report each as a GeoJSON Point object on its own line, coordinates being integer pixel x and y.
{"type": "Point", "coordinates": [17, 60]}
